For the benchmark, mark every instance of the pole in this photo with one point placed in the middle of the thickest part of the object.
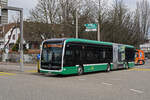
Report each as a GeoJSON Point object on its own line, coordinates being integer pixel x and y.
{"type": "Point", "coordinates": [76, 24]}
{"type": "Point", "coordinates": [21, 41]}
{"type": "Point", "coordinates": [98, 33]}
{"type": "Point", "coordinates": [21, 32]}
{"type": "Point", "coordinates": [3, 55]}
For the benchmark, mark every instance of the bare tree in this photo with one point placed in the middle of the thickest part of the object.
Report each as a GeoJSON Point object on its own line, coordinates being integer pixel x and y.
{"type": "Point", "coordinates": [143, 10]}
{"type": "Point", "coordinates": [45, 11]}
{"type": "Point", "coordinates": [117, 23]}
{"type": "Point", "coordinates": [9, 38]}
{"type": "Point", "coordinates": [117, 18]}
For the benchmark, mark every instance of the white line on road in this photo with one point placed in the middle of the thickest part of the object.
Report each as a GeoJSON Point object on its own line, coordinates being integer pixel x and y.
{"type": "Point", "coordinates": [137, 91]}
{"type": "Point", "coordinates": [81, 79]}
{"type": "Point", "coordinates": [99, 78]}
{"type": "Point", "coordinates": [115, 79]}
{"type": "Point", "coordinates": [106, 83]}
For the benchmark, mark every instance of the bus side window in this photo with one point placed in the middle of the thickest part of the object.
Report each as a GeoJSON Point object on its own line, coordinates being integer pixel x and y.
{"type": "Point", "coordinates": [96, 55]}
{"type": "Point", "coordinates": [89, 55]}
{"type": "Point", "coordinates": [77, 49]}
{"type": "Point", "coordinates": [68, 58]}
{"type": "Point", "coordinates": [109, 54]}
{"type": "Point", "coordinates": [92, 54]}
{"type": "Point", "coordinates": [104, 54]}
{"type": "Point", "coordinates": [129, 54]}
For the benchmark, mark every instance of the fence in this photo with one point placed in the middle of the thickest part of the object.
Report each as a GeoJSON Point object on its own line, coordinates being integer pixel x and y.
{"type": "Point", "coordinates": [15, 58]}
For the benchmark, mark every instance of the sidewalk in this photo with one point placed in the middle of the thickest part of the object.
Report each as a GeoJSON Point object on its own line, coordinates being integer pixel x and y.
{"type": "Point", "coordinates": [15, 67]}
{"type": "Point", "coordinates": [10, 63]}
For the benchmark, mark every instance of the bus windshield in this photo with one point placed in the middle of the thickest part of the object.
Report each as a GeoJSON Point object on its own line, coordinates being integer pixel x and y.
{"type": "Point", "coordinates": [51, 56]}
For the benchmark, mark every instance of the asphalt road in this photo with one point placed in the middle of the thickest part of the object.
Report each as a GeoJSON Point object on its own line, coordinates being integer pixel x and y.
{"type": "Point", "coordinates": [132, 84]}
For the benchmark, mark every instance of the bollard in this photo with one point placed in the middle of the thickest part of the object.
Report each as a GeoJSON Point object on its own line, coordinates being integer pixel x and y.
{"type": "Point", "coordinates": [38, 63]}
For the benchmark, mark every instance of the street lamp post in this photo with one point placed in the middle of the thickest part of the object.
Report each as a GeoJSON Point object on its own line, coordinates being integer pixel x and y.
{"type": "Point", "coordinates": [98, 32]}
{"type": "Point", "coordinates": [21, 40]}
{"type": "Point", "coordinates": [76, 24]}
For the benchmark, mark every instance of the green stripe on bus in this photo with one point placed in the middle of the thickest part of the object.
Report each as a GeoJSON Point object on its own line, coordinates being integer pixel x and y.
{"type": "Point", "coordinates": [87, 68]}
{"type": "Point", "coordinates": [68, 70]}
{"type": "Point", "coordinates": [44, 71]}
{"type": "Point", "coordinates": [131, 64]}
{"type": "Point", "coordinates": [92, 68]}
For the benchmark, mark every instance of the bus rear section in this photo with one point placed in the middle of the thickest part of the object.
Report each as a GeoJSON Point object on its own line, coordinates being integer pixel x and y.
{"type": "Point", "coordinates": [139, 57]}
{"type": "Point", "coordinates": [123, 56]}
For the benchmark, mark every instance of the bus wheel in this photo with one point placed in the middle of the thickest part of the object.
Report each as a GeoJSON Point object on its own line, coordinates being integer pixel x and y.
{"type": "Point", "coordinates": [108, 68]}
{"type": "Point", "coordinates": [143, 62]}
{"type": "Point", "coordinates": [80, 70]}
{"type": "Point", "coordinates": [140, 62]}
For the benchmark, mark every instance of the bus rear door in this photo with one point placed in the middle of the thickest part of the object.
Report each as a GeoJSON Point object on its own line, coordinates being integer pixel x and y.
{"type": "Point", "coordinates": [115, 56]}
{"type": "Point", "coordinates": [118, 56]}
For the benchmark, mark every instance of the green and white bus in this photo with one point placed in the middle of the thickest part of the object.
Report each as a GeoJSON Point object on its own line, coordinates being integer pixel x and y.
{"type": "Point", "coordinates": [77, 56]}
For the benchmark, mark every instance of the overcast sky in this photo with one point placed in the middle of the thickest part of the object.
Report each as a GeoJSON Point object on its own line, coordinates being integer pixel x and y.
{"type": "Point", "coordinates": [29, 4]}
{"type": "Point", "coordinates": [25, 4]}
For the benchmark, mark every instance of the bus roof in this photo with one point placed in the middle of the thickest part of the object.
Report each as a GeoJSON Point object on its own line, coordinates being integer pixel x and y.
{"type": "Point", "coordinates": [129, 46]}
{"type": "Point", "coordinates": [94, 42]}
{"type": "Point", "coordinates": [86, 41]}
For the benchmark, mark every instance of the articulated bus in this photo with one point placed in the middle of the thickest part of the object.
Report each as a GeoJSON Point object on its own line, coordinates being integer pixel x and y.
{"type": "Point", "coordinates": [78, 56]}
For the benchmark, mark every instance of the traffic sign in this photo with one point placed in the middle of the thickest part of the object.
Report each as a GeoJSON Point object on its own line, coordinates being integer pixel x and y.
{"type": "Point", "coordinates": [90, 30]}
{"type": "Point", "coordinates": [91, 27]}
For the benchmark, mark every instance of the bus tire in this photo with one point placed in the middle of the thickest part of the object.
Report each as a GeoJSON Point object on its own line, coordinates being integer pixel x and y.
{"type": "Point", "coordinates": [80, 70]}
{"type": "Point", "coordinates": [138, 62]}
{"type": "Point", "coordinates": [143, 62]}
{"type": "Point", "coordinates": [108, 68]}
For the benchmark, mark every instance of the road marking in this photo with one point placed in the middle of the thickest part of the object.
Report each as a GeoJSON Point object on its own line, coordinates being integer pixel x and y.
{"type": "Point", "coordinates": [99, 78]}
{"type": "Point", "coordinates": [3, 73]}
{"type": "Point", "coordinates": [116, 79]}
{"type": "Point", "coordinates": [107, 84]}
{"type": "Point", "coordinates": [81, 79]}
{"type": "Point", "coordinates": [31, 71]}
{"type": "Point", "coordinates": [137, 91]}
{"type": "Point", "coordinates": [139, 69]}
